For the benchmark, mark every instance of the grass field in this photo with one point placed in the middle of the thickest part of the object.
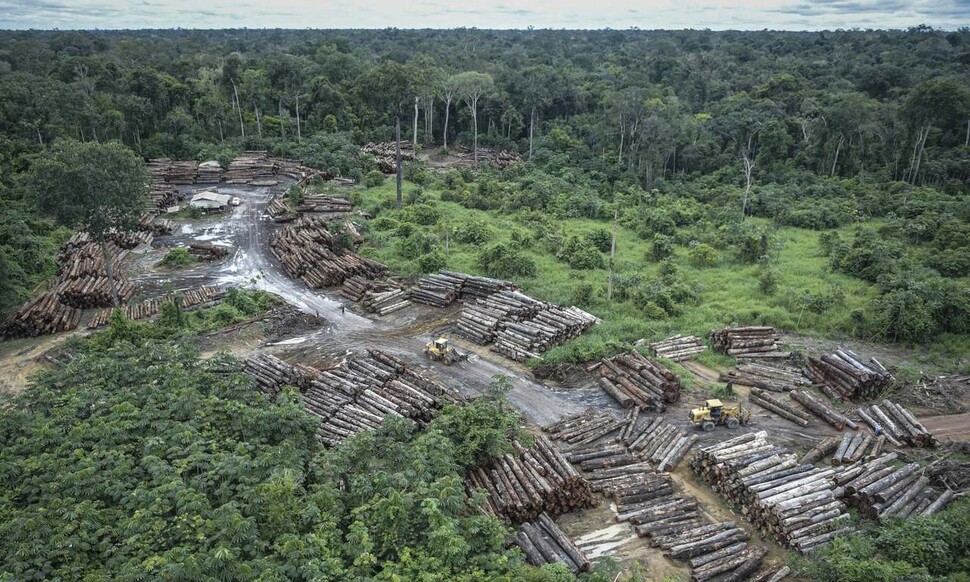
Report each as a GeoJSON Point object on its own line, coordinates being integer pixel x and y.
{"type": "Point", "coordinates": [809, 298]}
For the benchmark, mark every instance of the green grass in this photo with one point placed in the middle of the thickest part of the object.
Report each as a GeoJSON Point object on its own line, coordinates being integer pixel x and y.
{"type": "Point", "coordinates": [810, 299]}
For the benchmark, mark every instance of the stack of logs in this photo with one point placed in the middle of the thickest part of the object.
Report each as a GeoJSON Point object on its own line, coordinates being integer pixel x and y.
{"type": "Point", "coordinates": [82, 279]}
{"type": "Point", "coordinates": [660, 443]}
{"type": "Point", "coordinates": [823, 410]}
{"type": "Point", "coordinates": [774, 378]}
{"type": "Point", "coordinates": [678, 348]}
{"type": "Point", "coordinates": [851, 448]}
{"type": "Point", "coordinates": [380, 297]}
{"type": "Point", "coordinates": [41, 315]}
{"type": "Point", "coordinates": [795, 503]}
{"type": "Point", "coordinates": [534, 480]}
{"type": "Point", "coordinates": [162, 193]}
{"type": "Point", "coordinates": [357, 395]}
{"type": "Point", "coordinates": [251, 166]}
{"type": "Point", "coordinates": [206, 251]}
{"type": "Point", "coordinates": [748, 342]}
{"type": "Point", "coordinates": [481, 321]}
{"type": "Point", "coordinates": [634, 380]}
{"type": "Point", "coordinates": [501, 158]}
{"type": "Point", "coordinates": [209, 173]}
{"type": "Point", "coordinates": [545, 543]}
{"type": "Point", "coordinates": [843, 375]}
{"type": "Point", "coordinates": [149, 308]}
{"type": "Point", "coordinates": [280, 211]}
{"type": "Point", "coordinates": [898, 424]}
{"type": "Point", "coordinates": [880, 490]}
{"type": "Point", "coordinates": [308, 251]}
{"type": "Point", "coordinates": [550, 327]}
{"type": "Point", "coordinates": [782, 407]}
{"type": "Point", "coordinates": [437, 290]}
{"type": "Point", "coordinates": [324, 203]}
{"type": "Point", "coordinates": [385, 154]}
{"type": "Point", "coordinates": [150, 223]}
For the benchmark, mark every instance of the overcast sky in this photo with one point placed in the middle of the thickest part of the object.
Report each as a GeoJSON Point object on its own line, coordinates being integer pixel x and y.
{"type": "Point", "coordinates": [619, 14]}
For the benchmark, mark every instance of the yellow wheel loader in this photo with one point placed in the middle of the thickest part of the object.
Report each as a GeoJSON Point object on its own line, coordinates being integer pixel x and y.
{"type": "Point", "coordinates": [714, 413]}
{"type": "Point", "coordinates": [439, 351]}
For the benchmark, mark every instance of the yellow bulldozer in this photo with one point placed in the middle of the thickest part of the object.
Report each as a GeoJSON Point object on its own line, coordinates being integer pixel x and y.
{"type": "Point", "coordinates": [714, 413]}
{"type": "Point", "coordinates": [439, 351]}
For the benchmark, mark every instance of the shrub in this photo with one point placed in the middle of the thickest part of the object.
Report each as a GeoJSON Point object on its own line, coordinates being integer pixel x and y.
{"type": "Point", "coordinates": [751, 241]}
{"type": "Point", "coordinates": [384, 223]}
{"type": "Point", "coordinates": [583, 295]}
{"type": "Point", "coordinates": [423, 214]}
{"type": "Point", "coordinates": [580, 254]}
{"type": "Point", "coordinates": [600, 238]}
{"type": "Point", "coordinates": [177, 257]}
{"type": "Point", "coordinates": [768, 279]}
{"type": "Point", "coordinates": [417, 244]}
{"type": "Point", "coordinates": [373, 179]}
{"type": "Point", "coordinates": [505, 261]}
{"type": "Point", "coordinates": [432, 262]}
{"type": "Point", "coordinates": [474, 232]}
{"type": "Point", "coordinates": [662, 247]}
{"type": "Point", "coordinates": [702, 255]}
{"type": "Point", "coordinates": [868, 258]}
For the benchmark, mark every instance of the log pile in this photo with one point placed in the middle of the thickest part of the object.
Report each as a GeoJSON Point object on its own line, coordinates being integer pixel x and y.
{"type": "Point", "coordinates": [545, 543]}
{"type": "Point", "coordinates": [774, 378]}
{"type": "Point", "coordinates": [549, 327]}
{"type": "Point", "coordinates": [385, 302]}
{"type": "Point", "coordinates": [634, 380]}
{"type": "Point", "coordinates": [501, 158]}
{"type": "Point", "coordinates": [898, 424]}
{"type": "Point", "coordinates": [324, 203]}
{"type": "Point", "coordinates": [209, 173]}
{"type": "Point", "coordinates": [437, 290]}
{"type": "Point", "coordinates": [678, 348]}
{"type": "Point", "coordinates": [783, 407]}
{"type": "Point", "coordinates": [880, 490]}
{"type": "Point", "coordinates": [82, 279]}
{"type": "Point", "coordinates": [660, 443]}
{"type": "Point", "coordinates": [481, 321]}
{"type": "Point", "coordinates": [852, 448]}
{"type": "Point", "coordinates": [357, 395]}
{"type": "Point", "coordinates": [278, 208]}
{"type": "Point", "coordinates": [308, 251]}
{"type": "Point", "coordinates": [206, 251]}
{"type": "Point", "coordinates": [153, 224]}
{"type": "Point", "coordinates": [795, 503]}
{"type": "Point", "coordinates": [251, 166]}
{"type": "Point", "coordinates": [532, 481]}
{"type": "Point", "coordinates": [843, 375]}
{"type": "Point", "coordinates": [823, 410]}
{"type": "Point", "coordinates": [748, 342]}
{"type": "Point", "coordinates": [150, 308]}
{"type": "Point", "coordinates": [385, 154]}
{"type": "Point", "coordinates": [44, 314]}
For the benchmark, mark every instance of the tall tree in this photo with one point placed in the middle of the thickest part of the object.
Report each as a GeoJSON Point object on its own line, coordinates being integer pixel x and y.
{"type": "Point", "coordinates": [390, 87]}
{"type": "Point", "coordinates": [91, 186]}
{"type": "Point", "coordinates": [473, 86]}
{"type": "Point", "coordinates": [448, 90]}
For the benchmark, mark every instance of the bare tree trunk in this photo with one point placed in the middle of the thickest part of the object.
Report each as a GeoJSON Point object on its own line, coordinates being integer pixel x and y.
{"type": "Point", "coordinates": [609, 284]}
{"type": "Point", "coordinates": [966, 142]}
{"type": "Point", "coordinates": [532, 124]}
{"type": "Point", "coordinates": [222, 136]}
{"type": "Point", "coordinates": [837, 150]}
{"type": "Point", "coordinates": [619, 158]}
{"type": "Point", "coordinates": [400, 171]}
{"type": "Point", "coordinates": [238, 104]}
{"type": "Point", "coordinates": [475, 132]}
{"type": "Point", "coordinates": [259, 120]}
{"type": "Point", "coordinates": [282, 125]}
{"type": "Point", "coordinates": [918, 153]}
{"type": "Point", "coordinates": [298, 133]}
{"type": "Point", "coordinates": [109, 269]}
{"type": "Point", "coordinates": [748, 168]}
{"type": "Point", "coordinates": [444, 134]}
{"type": "Point", "coordinates": [414, 134]}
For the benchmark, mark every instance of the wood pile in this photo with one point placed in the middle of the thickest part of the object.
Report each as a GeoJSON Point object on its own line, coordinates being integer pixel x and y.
{"type": "Point", "coordinates": [783, 407]}
{"type": "Point", "coordinates": [843, 375]}
{"type": "Point", "coordinates": [549, 327]}
{"type": "Point", "coordinates": [380, 297]}
{"type": "Point", "coordinates": [437, 290]}
{"type": "Point", "coordinates": [634, 380]}
{"type": "Point", "coordinates": [501, 158]}
{"type": "Point", "coordinates": [308, 251]}
{"type": "Point", "coordinates": [478, 287]}
{"type": "Point", "coordinates": [82, 280]}
{"type": "Point", "coordinates": [899, 425]}
{"type": "Point", "coordinates": [532, 481]}
{"type": "Point", "coordinates": [385, 154]}
{"type": "Point", "coordinates": [357, 395]}
{"type": "Point", "coordinates": [209, 173]}
{"type": "Point", "coordinates": [823, 410]}
{"type": "Point", "coordinates": [774, 378]}
{"type": "Point", "coordinates": [880, 490]}
{"type": "Point", "coordinates": [481, 321]}
{"type": "Point", "coordinates": [278, 208]}
{"type": "Point", "coordinates": [44, 314]}
{"type": "Point", "coordinates": [251, 166]}
{"type": "Point", "coordinates": [851, 448]}
{"type": "Point", "coordinates": [660, 443]}
{"type": "Point", "coordinates": [792, 502]}
{"type": "Point", "coordinates": [206, 251]}
{"type": "Point", "coordinates": [324, 203]}
{"type": "Point", "coordinates": [153, 224]}
{"type": "Point", "coordinates": [678, 348]}
{"type": "Point", "coordinates": [748, 342]}
{"type": "Point", "coordinates": [150, 308]}
{"type": "Point", "coordinates": [545, 543]}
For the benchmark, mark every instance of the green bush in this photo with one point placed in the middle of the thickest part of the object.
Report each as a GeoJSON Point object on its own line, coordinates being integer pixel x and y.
{"type": "Point", "coordinates": [474, 232]}
{"type": "Point", "coordinates": [177, 257]}
{"type": "Point", "coordinates": [702, 255]}
{"type": "Point", "coordinates": [373, 179]}
{"type": "Point", "coordinates": [417, 244]}
{"type": "Point", "coordinates": [600, 238]}
{"type": "Point", "coordinates": [662, 247]}
{"type": "Point", "coordinates": [579, 253]}
{"type": "Point", "coordinates": [423, 214]}
{"type": "Point", "coordinates": [768, 279]}
{"type": "Point", "coordinates": [432, 262]}
{"type": "Point", "coordinates": [505, 262]}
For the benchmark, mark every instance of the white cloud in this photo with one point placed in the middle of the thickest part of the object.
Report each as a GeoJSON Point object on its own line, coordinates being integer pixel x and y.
{"type": "Point", "coordinates": [620, 14]}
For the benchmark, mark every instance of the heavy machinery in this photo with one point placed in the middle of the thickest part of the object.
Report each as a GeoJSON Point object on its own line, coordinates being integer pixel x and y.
{"type": "Point", "coordinates": [439, 351]}
{"type": "Point", "coordinates": [714, 412]}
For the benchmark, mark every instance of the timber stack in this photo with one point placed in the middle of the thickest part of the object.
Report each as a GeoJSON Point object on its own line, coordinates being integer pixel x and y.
{"type": "Point", "coordinates": [481, 321]}
{"type": "Point", "coordinates": [82, 279]}
{"type": "Point", "coordinates": [250, 167]}
{"type": "Point", "coordinates": [278, 209]}
{"type": "Point", "coordinates": [794, 503]}
{"type": "Point", "coordinates": [843, 375]}
{"type": "Point", "coordinates": [42, 315]}
{"type": "Point", "coordinates": [151, 223]}
{"type": "Point", "coordinates": [678, 348]}
{"type": "Point", "coordinates": [325, 204]}
{"type": "Point", "coordinates": [437, 290]}
{"type": "Point", "coordinates": [380, 297]}
{"type": "Point", "coordinates": [774, 378]}
{"type": "Point", "coordinates": [150, 308]}
{"type": "Point", "coordinates": [532, 481]}
{"type": "Point", "coordinates": [634, 380]}
{"type": "Point", "coordinates": [309, 251]}
{"type": "Point", "coordinates": [781, 406]}
{"type": "Point", "coordinates": [880, 490]}
{"type": "Point", "coordinates": [358, 394]}
{"type": "Point", "coordinates": [385, 154]}
{"type": "Point", "coordinates": [748, 342]}
{"type": "Point", "coordinates": [823, 410]}
{"type": "Point", "coordinates": [660, 443]}
{"type": "Point", "coordinates": [544, 542]}
{"type": "Point", "coordinates": [852, 448]}
{"type": "Point", "coordinates": [206, 251]}
{"type": "Point", "coordinates": [549, 327]}
{"type": "Point", "coordinates": [898, 424]}
{"type": "Point", "coordinates": [209, 172]}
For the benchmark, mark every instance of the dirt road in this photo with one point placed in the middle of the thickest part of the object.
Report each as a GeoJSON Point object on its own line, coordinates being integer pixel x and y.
{"type": "Point", "coordinates": [951, 426]}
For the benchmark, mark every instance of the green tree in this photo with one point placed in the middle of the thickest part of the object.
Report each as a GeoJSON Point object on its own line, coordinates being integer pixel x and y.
{"type": "Point", "coordinates": [472, 87]}
{"type": "Point", "coordinates": [91, 186]}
